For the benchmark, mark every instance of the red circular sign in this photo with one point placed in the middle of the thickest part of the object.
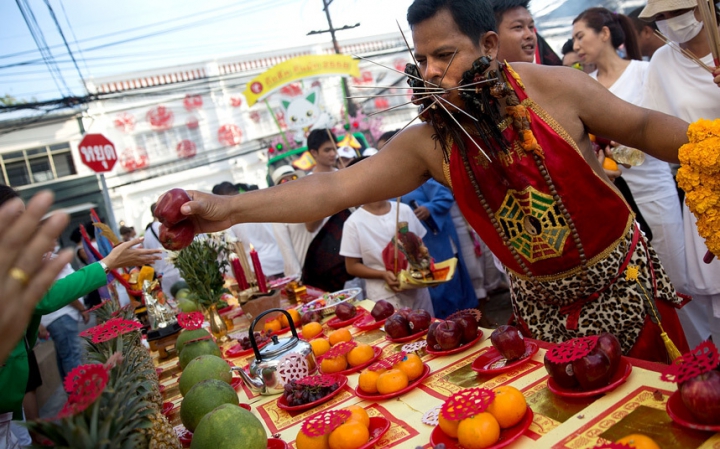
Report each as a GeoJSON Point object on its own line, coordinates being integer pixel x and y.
{"type": "Point", "coordinates": [256, 87]}
{"type": "Point", "coordinates": [97, 152]}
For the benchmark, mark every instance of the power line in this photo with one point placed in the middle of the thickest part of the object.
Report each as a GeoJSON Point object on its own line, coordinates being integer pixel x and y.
{"type": "Point", "coordinates": [39, 39]}
{"type": "Point", "coordinates": [62, 35]}
{"type": "Point", "coordinates": [67, 20]}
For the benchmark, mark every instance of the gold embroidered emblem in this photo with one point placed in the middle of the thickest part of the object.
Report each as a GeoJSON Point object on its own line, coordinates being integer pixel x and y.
{"type": "Point", "coordinates": [533, 224]}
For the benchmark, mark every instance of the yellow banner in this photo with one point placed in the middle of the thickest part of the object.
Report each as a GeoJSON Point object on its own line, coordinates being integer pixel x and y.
{"type": "Point", "coordinates": [297, 68]}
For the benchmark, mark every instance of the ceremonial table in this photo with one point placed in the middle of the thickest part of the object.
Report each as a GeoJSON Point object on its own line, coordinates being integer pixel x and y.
{"type": "Point", "coordinates": [636, 406]}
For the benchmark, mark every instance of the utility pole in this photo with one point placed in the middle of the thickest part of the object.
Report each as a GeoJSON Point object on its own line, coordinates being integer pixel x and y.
{"type": "Point", "coordinates": [350, 107]}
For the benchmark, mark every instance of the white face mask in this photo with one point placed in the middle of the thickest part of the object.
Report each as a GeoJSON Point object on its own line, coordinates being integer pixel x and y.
{"type": "Point", "coordinates": [680, 29]}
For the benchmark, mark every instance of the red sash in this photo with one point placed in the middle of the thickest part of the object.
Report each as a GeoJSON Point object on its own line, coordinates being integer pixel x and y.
{"type": "Point", "coordinates": [549, 227]}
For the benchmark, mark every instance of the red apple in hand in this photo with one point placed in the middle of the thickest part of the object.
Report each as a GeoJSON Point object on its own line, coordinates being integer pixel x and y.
{"type": "Point", "coordinates": [701, 395]}
{"type": "Point", "coordinates": [178, 236]}
{"type": "Point", "coordinates": [593, 370]}
{"type": "Point", "coordinates": [448, 335]}
{"type": "Point", "coordinates": [508, 341]}
{"type": "Point", "coordinates": [167, 209]}
{"type": "Point", "coordinates": [562, 373]}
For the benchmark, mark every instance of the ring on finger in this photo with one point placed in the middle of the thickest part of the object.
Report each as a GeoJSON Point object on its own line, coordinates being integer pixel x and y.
{"type": "Point", "coordinates": [19, 275]}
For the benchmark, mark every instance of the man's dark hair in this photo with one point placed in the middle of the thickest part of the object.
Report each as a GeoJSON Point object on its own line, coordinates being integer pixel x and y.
{"type": "Point", "coordinates": [500, 7]}
{"type": "Point", "coordinates": [317, 137]}
{"type": "Point", "coordinates": [7, 193]}
{"type": "Point", "coordinates": [152, 209]}
{"type": "Point", "coordinates": [474, 18]}
{"type": "Point", "coordinates": [568, 47]}
{"type": "Point", "coordinates": [639, 23]}
{"type": "Point", "coordinates": [387, 135]}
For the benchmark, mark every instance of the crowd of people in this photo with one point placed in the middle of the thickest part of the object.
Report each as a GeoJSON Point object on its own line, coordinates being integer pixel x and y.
{"type": "Point", "coordinates": [506, 179]}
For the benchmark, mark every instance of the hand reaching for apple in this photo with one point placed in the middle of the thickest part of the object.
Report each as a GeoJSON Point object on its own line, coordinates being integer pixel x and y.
{"type": "Point", "coordinates": [124, 255]}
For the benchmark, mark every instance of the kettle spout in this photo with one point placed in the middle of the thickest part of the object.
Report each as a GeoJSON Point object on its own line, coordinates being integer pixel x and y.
{"type": "Point", "coordinates": [254, 384]}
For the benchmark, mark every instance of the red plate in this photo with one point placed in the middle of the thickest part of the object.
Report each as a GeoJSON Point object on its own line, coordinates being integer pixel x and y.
{"type": "Point", "coordinates": [236, 382]}
{"type": "Point", "coordinates": [507, 436]}
{"type": "Point", "coordinates": [623, 371]}
{"type": "Point", "coordinates": [237, 351]}
{"type": "Point", "coordinates": [492, 362]}
{"type": "Point", "coordinates": [167, 407]}
{"type": "Point", "coordinates": [320, 335]}
{"type": "Point", "coordinates": [282, 402]}
{"type": "Point", "coordinates": [335, 323]}
{"type": "Point", "coordinates": [680, 414]}
{"type": "Point", "coordinates": [225, 310]}
{"type": "Point", "coordinates": [460, 348]}
{"type": "Point", "coordinates": [368, 323]}
{"type": "Point", "coordinates": [281, 331]}
{"type": "Point", "coordinates": [411, 385]}
{"type": "Point", "coordinates": [355, 369]}
{"type": "Point", "coordinates": [412, 337]}
{"type": "Point", "coordinates": [378, 427]}
{"type": "Point", "coordinates": [159, 371]}
{"type": "Point", "coordinates": [245, 406]}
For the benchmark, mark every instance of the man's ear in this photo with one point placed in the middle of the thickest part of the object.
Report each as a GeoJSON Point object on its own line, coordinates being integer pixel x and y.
{"type": "Point", "coordinates": [490, 44]}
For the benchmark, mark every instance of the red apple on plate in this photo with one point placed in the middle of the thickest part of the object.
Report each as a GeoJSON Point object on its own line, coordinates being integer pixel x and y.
{"type": "Point", "coordinates": [382, 310]}
{"type": "Point", "coordinates": [178, 236]}
{"type": "Point", "coordinates": [508, 341]}
{"type": "Point", "coordinates": [405, 312]}
{"type": "Point", "coordinates": [448, 335]}
{"type": "Point", "coordinates": [593, 370]}
{"type": "Point", "coordinates": [431, 340]}
{"type": "Point", "coordinates": [469, 326]}
{"type": "Point", "coordinates": [345, 311]}
{"type": "Point", "coordinates": [701, 395]}
{"type": "Point", "coordinates": [562, 373]}
{"type": "Point", "coordinates": [396, 326]}
{"type": "Point", "coordinates": [419, 320]}
{"type": "Point", "coordinates": [167, 209]}
{"type": "Point", "coordinates": [610, 345]}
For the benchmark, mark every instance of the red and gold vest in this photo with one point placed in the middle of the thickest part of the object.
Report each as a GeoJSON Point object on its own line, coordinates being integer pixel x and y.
{"type": "Point", "coordinates": [543, 218]}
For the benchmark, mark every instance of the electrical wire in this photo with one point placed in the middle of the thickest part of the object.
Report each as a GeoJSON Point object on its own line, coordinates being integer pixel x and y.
{"type": "Point", "coordinates": [62, 35]}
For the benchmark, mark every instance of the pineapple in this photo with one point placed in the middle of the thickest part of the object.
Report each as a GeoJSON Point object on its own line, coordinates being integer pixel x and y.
{"type": "Point", "coordinates": [162, 435]}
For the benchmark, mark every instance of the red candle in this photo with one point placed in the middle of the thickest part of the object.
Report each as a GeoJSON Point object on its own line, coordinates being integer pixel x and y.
{"type": "Point", "coordinates": [238, 272]}
{"type": "Point", "coordinates": [259, 275]}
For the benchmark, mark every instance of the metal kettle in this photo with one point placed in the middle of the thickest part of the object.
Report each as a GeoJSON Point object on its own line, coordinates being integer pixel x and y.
{"type": "Point", "coordinates": [279, 362]}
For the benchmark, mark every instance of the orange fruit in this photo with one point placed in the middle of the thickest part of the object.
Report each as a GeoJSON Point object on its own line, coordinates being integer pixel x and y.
{"type": "Point", "coordinates": [362, 353]}
{"type": "Point", "coordinates": [294, 314]}
{"type": "Point", "coordinates": [303, 441]}
{"type": "Point", "coordinates": [272, 325]}
{"type": "Point", "coordinates": [411, 365]}
{"type": "Point", "coordinates": [339, 336]}
{"type": "Point", "coordinates": [333, 364]}
{"type": "Point", "coordinates": [311, 330]}
{"type": "Point", "coordinates": [391, 381]}
{"type": "Point", "coordinates": [351, 435]}
{"type": "Point", "coordinates": [508, 407]}
{"type": "Point", "coordinates": [610, 164]}
{"type": "Point", "coordinates": [320, 346]}
{"type": "Point", "coordinates": [367, 381]}
{"type": "Point", "coordinates": [358, 414]}
{"type": "Point", "coordinates": [448, 426]}
{"type": "Point", "coordinates": [639, 441]}
{"type": "Point", "coordinates": [479, 431]}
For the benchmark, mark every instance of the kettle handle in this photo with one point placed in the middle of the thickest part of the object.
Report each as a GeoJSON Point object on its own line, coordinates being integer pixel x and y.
{"type": "Point", "coordinates": [251, 331]}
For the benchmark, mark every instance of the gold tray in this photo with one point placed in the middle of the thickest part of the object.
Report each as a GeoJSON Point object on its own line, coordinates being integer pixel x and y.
{"type": "Point", "coordinates": [407, 282]}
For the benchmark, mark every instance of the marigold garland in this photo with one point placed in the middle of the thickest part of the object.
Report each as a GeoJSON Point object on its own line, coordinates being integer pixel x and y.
{"type": "Point", "coordinates": [699, 177]}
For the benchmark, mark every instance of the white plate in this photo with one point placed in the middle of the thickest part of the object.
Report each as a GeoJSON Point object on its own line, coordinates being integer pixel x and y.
{"type": "Point", "coordinates": [351, 294]}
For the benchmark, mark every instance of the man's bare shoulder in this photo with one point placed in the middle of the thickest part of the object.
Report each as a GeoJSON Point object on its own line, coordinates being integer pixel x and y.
{"type": "Point", "coordinates": [551, 81]}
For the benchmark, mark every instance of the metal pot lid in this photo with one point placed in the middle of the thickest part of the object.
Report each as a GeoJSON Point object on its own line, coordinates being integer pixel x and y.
{"type": "Point", "coordinates": [278, 346]}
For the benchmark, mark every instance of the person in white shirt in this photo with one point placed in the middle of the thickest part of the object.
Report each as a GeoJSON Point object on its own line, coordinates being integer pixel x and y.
{"type": "Point", "coordinates": [365, 235]}
{"type": "Point", "coordinates": [678, 86]}
{"type": "Point", "coordinates": [597, 34]}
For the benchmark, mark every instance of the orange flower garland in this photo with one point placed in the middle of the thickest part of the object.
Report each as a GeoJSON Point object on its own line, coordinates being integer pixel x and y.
{"type": "Point", "coordinates": [699, 177]}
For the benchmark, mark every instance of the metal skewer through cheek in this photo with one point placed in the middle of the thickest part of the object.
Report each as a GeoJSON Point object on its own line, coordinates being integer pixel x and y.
{"type": "Point", "coordinates": [410, 122]}
{"type": "Point", "coordinates": [464, 131]}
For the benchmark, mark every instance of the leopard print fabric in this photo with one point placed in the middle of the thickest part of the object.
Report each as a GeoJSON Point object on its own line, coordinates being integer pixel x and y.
{"type": "Point", "coordinates": [620, 309]}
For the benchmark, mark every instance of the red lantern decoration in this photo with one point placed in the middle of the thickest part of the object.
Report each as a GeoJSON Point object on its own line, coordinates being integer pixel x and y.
{"type": "Point", "coordinates": [192, 102]}
{"type": "Point", "coordinates": [134, 159]}
{"type": "Point", "coordinates": [160, 117]}
{"type": "Point", "coordinates": [229, 135]}
{"type": "Point", "coordinates": [186, 149]}
{"type": "Point", "coordinates": [291, 90]}
{"type": "Point", "coordinates": [192, 122]}
{"type": "Point", "coordinates": [124, 122]}
{"type": "Point", "coordinates": [235, 102]}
